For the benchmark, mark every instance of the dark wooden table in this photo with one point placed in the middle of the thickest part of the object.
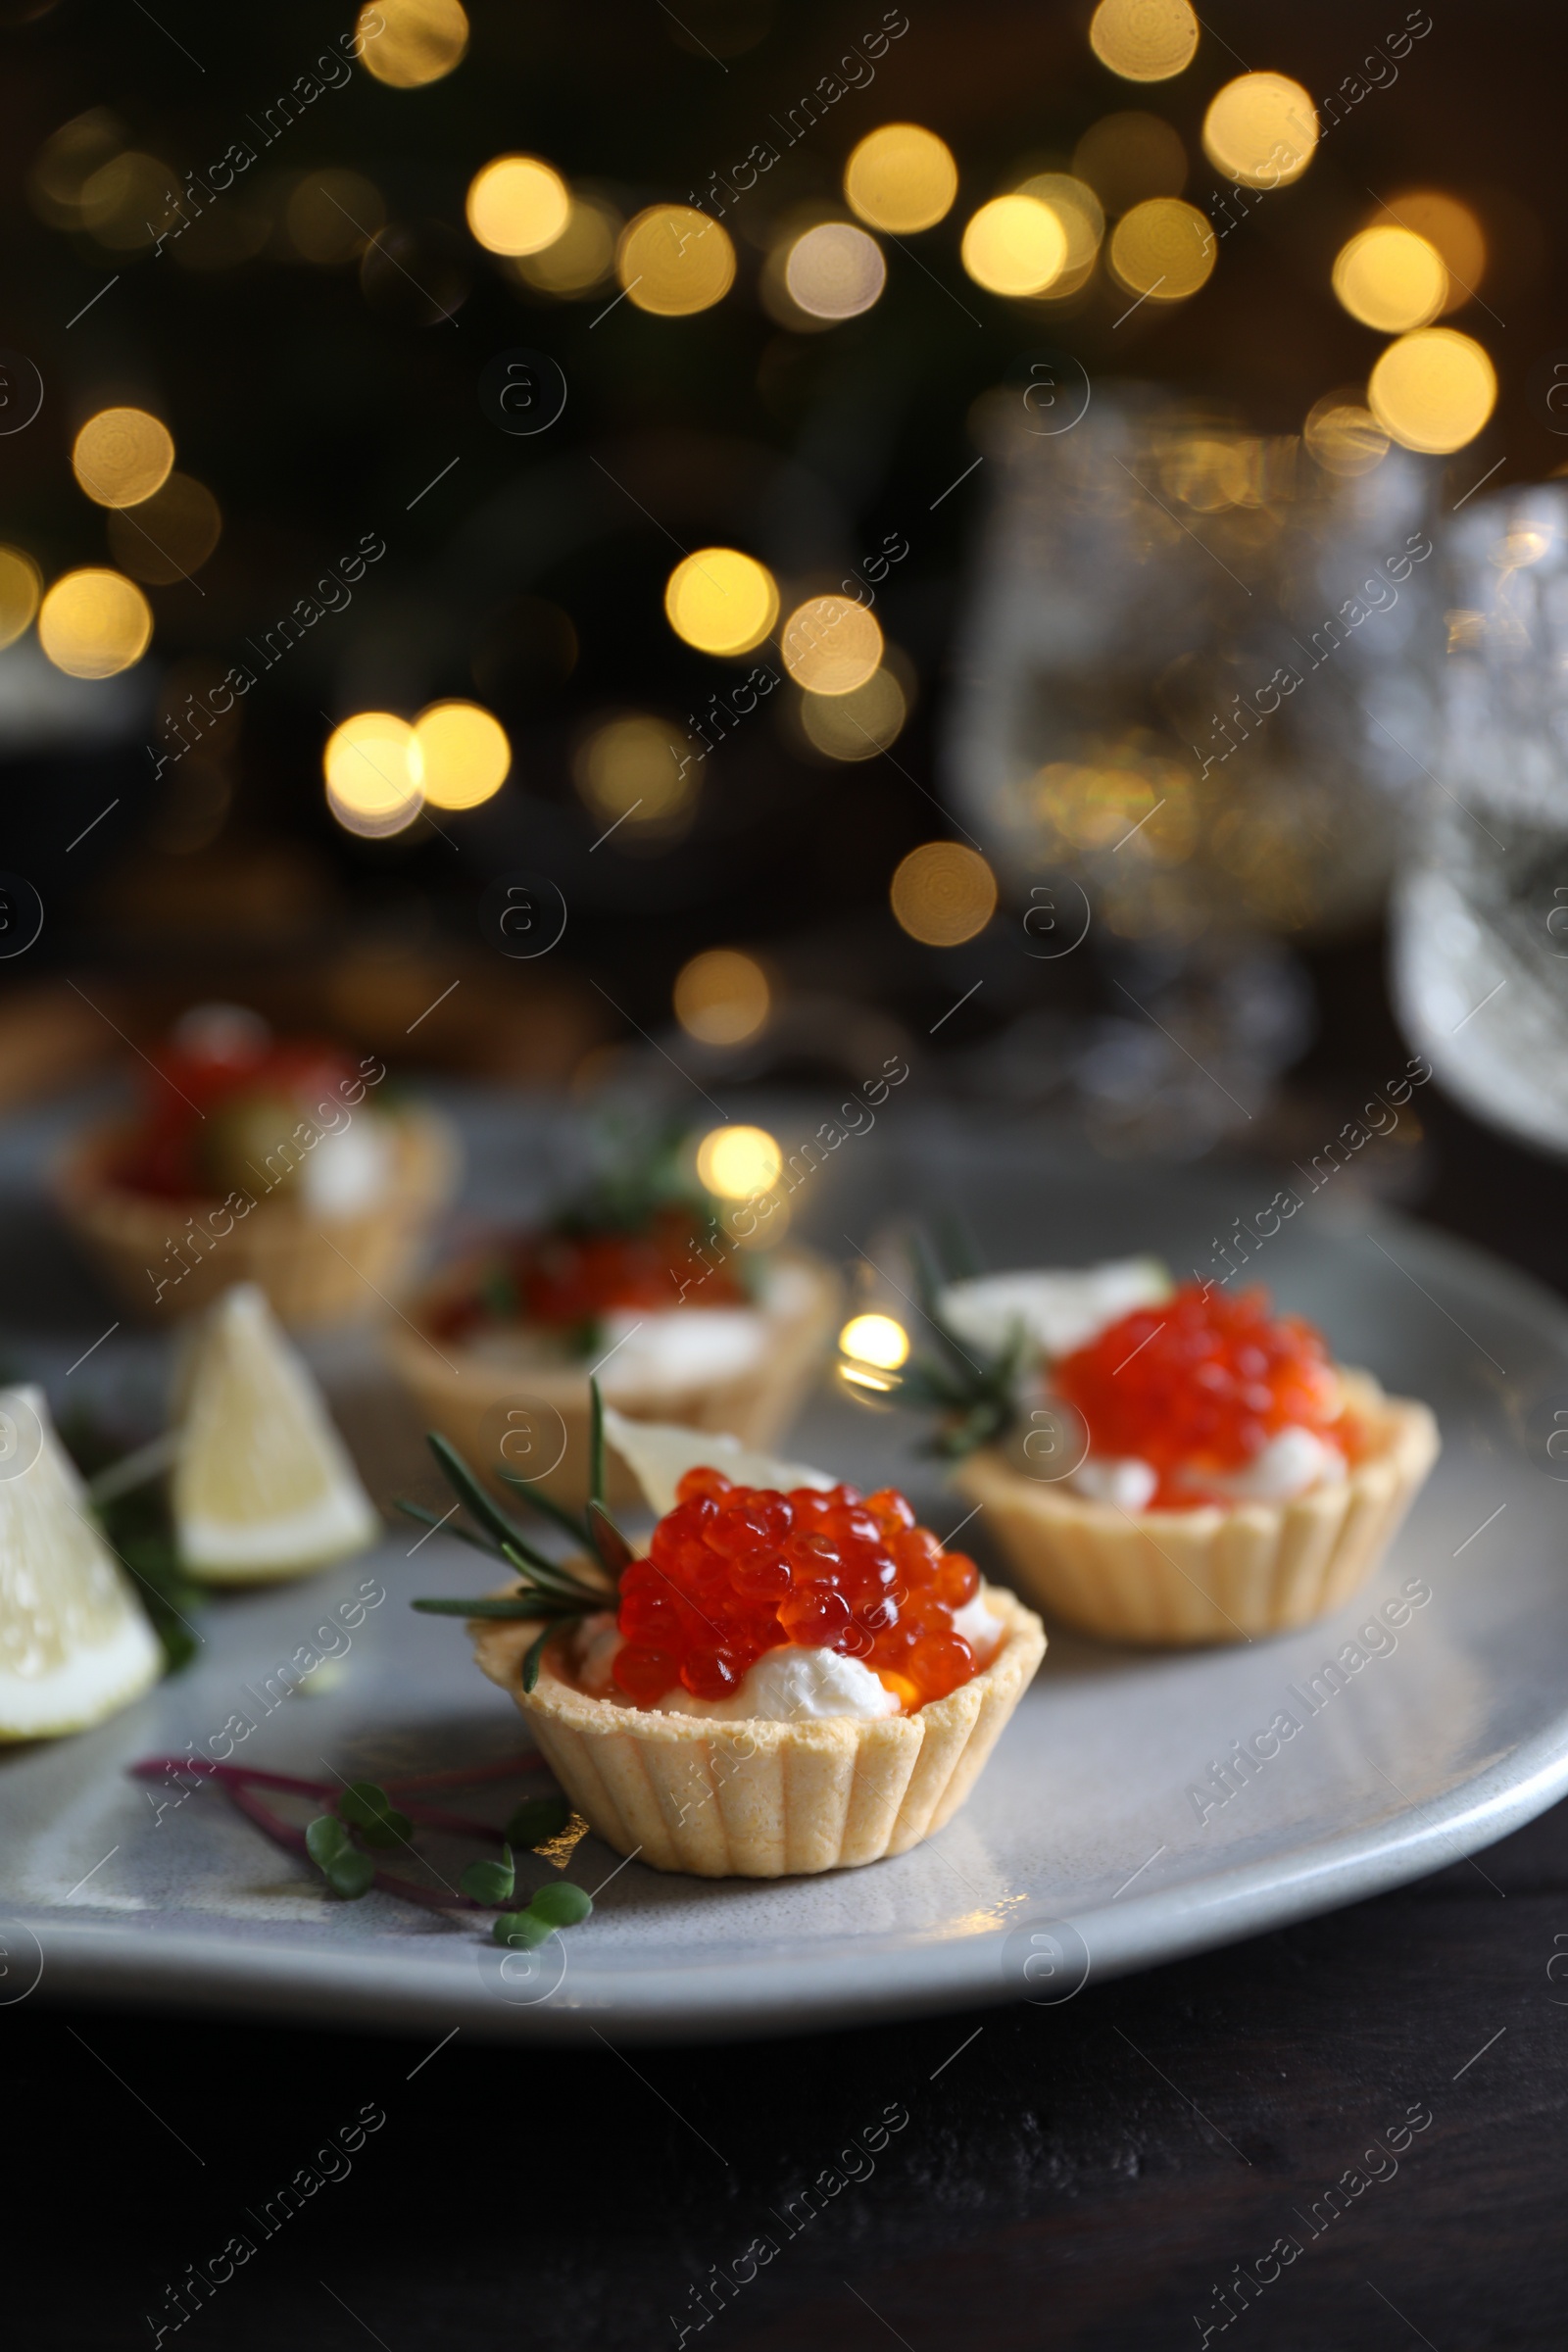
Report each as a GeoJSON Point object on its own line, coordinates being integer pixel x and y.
{"type": "Point", "coordinates": [1348, 2134]}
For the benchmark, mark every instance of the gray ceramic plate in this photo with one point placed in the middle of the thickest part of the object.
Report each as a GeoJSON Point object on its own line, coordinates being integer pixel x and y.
{"type": "Point", "coordinates": [1083, 1853]}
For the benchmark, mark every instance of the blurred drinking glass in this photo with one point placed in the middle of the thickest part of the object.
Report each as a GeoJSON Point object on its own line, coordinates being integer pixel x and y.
{"type": "Point", "coordinates": [1481, 911]}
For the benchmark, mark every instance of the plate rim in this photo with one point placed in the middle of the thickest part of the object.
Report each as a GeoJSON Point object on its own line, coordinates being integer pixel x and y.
{"type": "Point", "coordinates": [393, 1990]}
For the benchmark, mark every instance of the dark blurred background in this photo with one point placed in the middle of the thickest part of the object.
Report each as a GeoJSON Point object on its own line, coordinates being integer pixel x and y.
{"type": "Point", "coordinates": [316, 339]}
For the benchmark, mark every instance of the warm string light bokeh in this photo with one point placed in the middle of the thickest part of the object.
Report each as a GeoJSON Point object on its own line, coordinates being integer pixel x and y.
{"type": "Point", "coordinates": [381, 770]}
{"type": "Point", "coordinates": [722, 997]}
{"type": "Point", "coordinates": [1118, 213]}
{"type": "Point", "coordinates": [720, 601]}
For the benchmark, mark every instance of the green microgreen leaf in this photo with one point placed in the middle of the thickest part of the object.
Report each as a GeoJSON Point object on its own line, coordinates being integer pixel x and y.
{"type": "Point", "coordinates": [363, 1803]}
{"type": "Point", "coordinates": [350, 1873]}
{"type": "Point", "coordinates": [490, 1882]}
{"type": "Point", "coordinates": [396, 1829]}
{"type": "Point", "coordinates": [347, 1871]}
{"type": "Point", "coordinates": [596, 1488]}
{"type": "Point", "coordinates": [325, 1840]}
{"type": "Point", "coordinates": [562, 1905]}
{"type": "Point", "coordinates": [537, 1820]}
{"type": "Point", "coordinates": [372, 1813]}
{"type": "Point", "coordinates": [520, 1928]}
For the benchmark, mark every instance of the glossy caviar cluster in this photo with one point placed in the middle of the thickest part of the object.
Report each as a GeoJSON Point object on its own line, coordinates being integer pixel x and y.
{"type": "Point", "coordinates": [733, 1571]}
{"type": "Point", "coordinates": [1199, 1385]}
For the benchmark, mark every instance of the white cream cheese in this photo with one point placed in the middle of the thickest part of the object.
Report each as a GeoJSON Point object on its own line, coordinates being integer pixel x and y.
{"type": "Point", "coordinates": [679, 1347]}
{"type": "Point", "coordinates": [349, 1170]}
{"type": "Point", "coordinates": [978, 1627]}
{"type": "Point", "coordinates": [1290, 1464]}
{"type": "Point", "coordinates": [1129, 1483]}
{"type": "Point", "coordinates": [1060, 1309]}
{"type": "Point", "coordinates": [794, 1684]}
{"type": "Point", "coordinates": [595, 1645]}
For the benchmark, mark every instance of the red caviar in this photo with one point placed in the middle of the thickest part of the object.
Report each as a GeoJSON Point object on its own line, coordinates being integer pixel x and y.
{"type": "Point", "coordinates": [1199, 1385]}
{"type": "Point", "coordinates": [565, 1279]}
{"type": "Point", "coordinates": [733, 1571]}
{"type": "Point", "coordinates": [204, 1076]}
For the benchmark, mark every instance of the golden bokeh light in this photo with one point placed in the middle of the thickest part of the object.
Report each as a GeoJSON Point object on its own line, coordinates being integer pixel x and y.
{"type": "Point", "coordinates": [673, 259]}
{"type": "Point", "coordinates": [331, 217]}
{"type": "Point", "coordinates": [121, 456]}
{"type": "Point", "coordinates": [902, 178]}
{"type": "Point", "coordinates": [1164, 249]}
{"type": "Point", "coordinates": [1342, 433]}
{"type": "Point", "coordinates": [1120, 802]}
{"type": "Point", "coordinates": [1450, 225]}
{"type": "Point", "coordinates": [722, 997]}
{"type": "Point", "coordinates": [408, 43]}
{"type": "Point", "coordinates": [517, 203]}
{"type": "Point", "coordinates": [1014, 245]}
{"type": "Point", "coordinates": [94, 624]}
{"type": "Point", "coordinates": [1432, 390]}
{"type": "Point", "coordinates": [638, 774]}
{"type": "Point", "coordinates": [170, 537]}
{"type": "Point", "coordinates": [1083, 222]}
{"type": "Point", "coordinates": [720, 601]}
{"type": "Point", "coordinates": [67, 162]}
{"type": "Point", "coordinates": [859, 724]}
{"type": "Point", "coordinates": [1144, 41]}
{"type": "Point", "coordinates": [942, 894]}
{"type": "Point", "coordinates": [879, 1340]}
{"type": "Point", "coordinates": [128, 199]}
{"type": "Point", "coordinates": [580, 257]}
{"type": "Point", "coordinates": [1261, 129]}
{"type": "Point", "coordinates": [831, 645]}
{"type": "Point", "coordinates": [464, 757]}
{"type": "Point", "coordinates": [21, 587]}
{"type": "Point", "coordinates": [835, 271]}
{"type": "Point", "coordinates": [1390, 278]}
{"type": "Point", "coordinates": [739, 1163]}
{"type": "Point", "coordinates": [1128, 158]}
{"type": "Point", "coordinates": [372, 769]}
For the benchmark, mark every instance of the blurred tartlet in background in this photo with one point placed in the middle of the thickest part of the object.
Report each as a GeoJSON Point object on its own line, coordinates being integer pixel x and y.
{"type": "Point", "coordinates": [637, 1279]}
{"type": "Point", "coordinates": [258, 1159]}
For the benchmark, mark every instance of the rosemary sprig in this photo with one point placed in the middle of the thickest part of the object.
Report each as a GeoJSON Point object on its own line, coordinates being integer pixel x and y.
{"type": "Point", "coordinates": [551, 1591]}
{"type": "Point", "coordinates": [974, 1394]}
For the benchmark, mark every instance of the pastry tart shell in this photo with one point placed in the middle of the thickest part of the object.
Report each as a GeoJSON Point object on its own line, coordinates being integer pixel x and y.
{"type": "Point", "coordinates": [460, 1391]}
{"type": "Point", "coordinates": [755, 1800]}
{"type": "Point", "coordinates": [1171, 1579]}
{"type": "Point", "coordinates": [315, 1271]}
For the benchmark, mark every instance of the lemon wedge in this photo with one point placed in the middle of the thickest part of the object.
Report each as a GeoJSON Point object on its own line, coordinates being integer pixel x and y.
{"type": "Point", "coordinates": [262, 1484]}
{"type": "Point", "coordinates": [75, 1644]}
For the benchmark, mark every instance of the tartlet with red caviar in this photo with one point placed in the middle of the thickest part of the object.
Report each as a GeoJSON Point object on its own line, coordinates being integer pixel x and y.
{"type": "Point", "coordinates": [793, 1678]}
{"type": "Point", "coordinates": [257, 1159]}
{"type": "Point", "coordinates": [1194, 1469]}
{"type": "Point", "coordinates": [637, 1275]}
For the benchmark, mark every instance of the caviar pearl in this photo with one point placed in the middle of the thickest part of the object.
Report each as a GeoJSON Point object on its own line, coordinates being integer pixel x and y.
{"type": "Point", "coordinates": [735, 1572]}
